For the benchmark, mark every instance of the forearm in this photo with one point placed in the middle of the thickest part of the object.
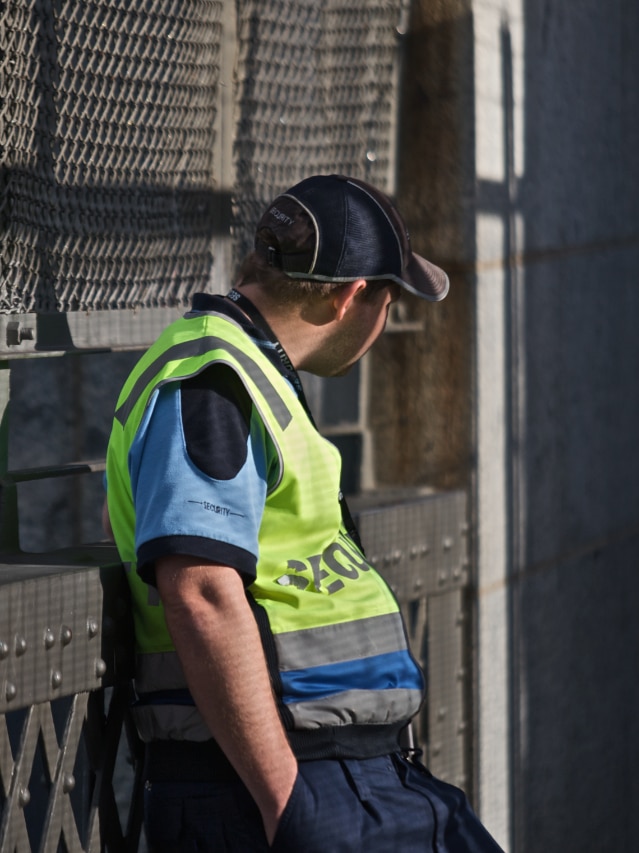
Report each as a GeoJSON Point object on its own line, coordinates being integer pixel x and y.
{"type": "Point", "coordinates": [218, 642]}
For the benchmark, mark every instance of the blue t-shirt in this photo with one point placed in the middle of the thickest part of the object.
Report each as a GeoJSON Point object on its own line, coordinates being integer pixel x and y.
{"type": "Point", "coordinates": [201, 464]}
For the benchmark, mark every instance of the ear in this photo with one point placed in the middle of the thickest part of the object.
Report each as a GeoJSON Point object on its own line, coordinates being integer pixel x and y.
{"type": "Point", "coordinates": [344, 296]}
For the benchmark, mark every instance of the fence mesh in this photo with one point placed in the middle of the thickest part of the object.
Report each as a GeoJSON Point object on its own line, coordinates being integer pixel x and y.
{"type": "Point", "coordinates": [107, 136]}
{"type": "Point", "coordinates": [107, 133]}
{"type": "Point", "coordinates": [316, 94]}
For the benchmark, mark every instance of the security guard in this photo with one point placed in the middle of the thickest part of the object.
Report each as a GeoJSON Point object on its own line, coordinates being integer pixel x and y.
{"type": "Point", "coordinates": [273, 673]}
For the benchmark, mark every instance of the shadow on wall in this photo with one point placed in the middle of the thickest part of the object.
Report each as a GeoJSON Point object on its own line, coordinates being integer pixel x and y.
{"type": "Point", "coordinates": [575, 418]}
{"type": "Point", "coordinates": [61, 412]}
{"type": "Point", "coordinates": [559, 204]}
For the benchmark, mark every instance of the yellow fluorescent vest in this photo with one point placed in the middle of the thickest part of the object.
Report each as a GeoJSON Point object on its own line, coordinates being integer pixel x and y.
{"type": "Point", "coordinates": [331, 628]}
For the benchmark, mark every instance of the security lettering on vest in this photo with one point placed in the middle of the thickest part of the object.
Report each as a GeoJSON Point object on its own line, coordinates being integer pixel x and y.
{"type": "Point", "coordinates": [216, 508]}
{"type": "Point", "coordinates": [339, 559]}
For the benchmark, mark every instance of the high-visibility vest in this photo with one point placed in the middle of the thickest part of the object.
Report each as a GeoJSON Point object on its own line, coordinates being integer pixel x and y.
{"type": "Point", "coordinates": [331, 627]}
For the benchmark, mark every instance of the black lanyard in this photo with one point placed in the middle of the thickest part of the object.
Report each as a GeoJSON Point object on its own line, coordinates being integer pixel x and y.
{"type": "Point", "coordinates": [258, 320]}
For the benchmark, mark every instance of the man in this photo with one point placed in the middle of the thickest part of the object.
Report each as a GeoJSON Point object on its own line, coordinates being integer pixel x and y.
{"type": "Point", "coordinates": [273, 673]}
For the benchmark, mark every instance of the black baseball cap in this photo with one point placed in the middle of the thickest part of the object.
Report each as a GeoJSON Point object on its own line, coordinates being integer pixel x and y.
{"type": "Point", "coordinates": [336, 228]}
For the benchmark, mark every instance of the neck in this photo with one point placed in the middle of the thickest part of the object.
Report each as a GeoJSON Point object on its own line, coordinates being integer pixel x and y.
{"type": "Point", "coordinates": [300, 335]}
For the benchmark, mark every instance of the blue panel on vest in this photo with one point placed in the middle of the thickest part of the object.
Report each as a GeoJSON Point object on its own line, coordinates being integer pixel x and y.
{"type": "Point", "coordinates": [395, 670]}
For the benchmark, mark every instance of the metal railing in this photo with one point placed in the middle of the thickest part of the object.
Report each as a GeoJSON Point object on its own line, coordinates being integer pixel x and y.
{"type": "Point", "coordinates": [65, 681]}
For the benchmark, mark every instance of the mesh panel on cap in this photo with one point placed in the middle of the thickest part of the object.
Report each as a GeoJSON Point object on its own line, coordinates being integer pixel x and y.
{"type": "Point", "coordinates": [369, 251]}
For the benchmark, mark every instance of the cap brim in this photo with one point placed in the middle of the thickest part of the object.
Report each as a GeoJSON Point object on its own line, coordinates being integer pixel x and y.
{"type": "Point", "coordinates": [425, 279]}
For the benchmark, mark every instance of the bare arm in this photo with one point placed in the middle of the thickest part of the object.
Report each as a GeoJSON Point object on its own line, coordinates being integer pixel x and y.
{"type": "Point", "coordinates": [218, 643]}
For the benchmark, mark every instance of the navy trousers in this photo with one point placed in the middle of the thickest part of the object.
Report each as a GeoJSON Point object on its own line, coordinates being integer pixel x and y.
{"type": "Point", "coordinates": [377, 805]}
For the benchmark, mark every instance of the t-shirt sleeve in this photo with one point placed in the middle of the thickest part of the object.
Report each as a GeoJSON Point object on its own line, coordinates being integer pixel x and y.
{"type": "Point", "coordinates": [199, 470]}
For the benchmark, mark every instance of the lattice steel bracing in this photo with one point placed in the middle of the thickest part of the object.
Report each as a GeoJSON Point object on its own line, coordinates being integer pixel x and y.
{"type": "Point", "coordinates": [65, 692]}
{"type": "Point", "coordinates": [57, 778]}
{"type": "Point", "coordinates": [115, 179]}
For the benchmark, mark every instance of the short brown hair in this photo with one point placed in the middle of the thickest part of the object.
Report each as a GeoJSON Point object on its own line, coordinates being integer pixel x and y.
{"type": "Point", "coordinates": [288, 291]}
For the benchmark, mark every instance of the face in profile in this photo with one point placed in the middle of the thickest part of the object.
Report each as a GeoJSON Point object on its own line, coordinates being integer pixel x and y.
{"type": "Point", "coordinates": [357, 331]}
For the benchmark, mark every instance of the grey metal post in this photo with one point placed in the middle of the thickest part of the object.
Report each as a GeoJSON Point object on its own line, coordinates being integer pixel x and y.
{"type": "Point", "coordinates": [9, 530]}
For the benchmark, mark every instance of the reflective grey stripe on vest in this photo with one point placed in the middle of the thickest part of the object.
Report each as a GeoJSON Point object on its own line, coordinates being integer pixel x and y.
{"type": "Point", "coordinates": [295, 649]}
{"type": "Point", "coordinates": [359, 707]}
{"type": "Point", "coordinates": [184, 722]}
{"type": "Point", "coordinates": [376, 635]}
{"type": "Point", "coordinates": [197, 347]}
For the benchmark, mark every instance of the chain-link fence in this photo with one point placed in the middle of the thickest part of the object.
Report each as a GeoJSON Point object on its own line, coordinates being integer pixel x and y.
{"type": "Point", "coordinates": [107, 135]}
{"type": "Point", "coordinates": [111, 114]}
{"type": "Point", "coordinates": [316, 93]}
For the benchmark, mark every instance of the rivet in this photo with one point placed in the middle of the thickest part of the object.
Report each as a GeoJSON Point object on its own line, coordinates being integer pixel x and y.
{"type": "Point", "coordinates": [16, 333]}
{"type": "Point", "coordinates": [447, 543]}
{"type": "Point", "coordinates": [436, 749]}
{"type": "Point", "coordinates": [4, 650]}
{"type": "Point", "coordinates": [24, 797]}
{"type": "Point", "coordinates": [66, 635]}
{"type": "Point", "coordinates": [49, 639]}
{"type": "Point", "coordinates": [396, 556]}
{"type": "Point", "coordinates": [442, 577]}
{"type": "Point", "coordinates": [68, 783]}
{"type": "Point", "coordinates": [21, 645]}
{"type": "Point", "coordinates": [92, 627]}
{"type": "Point", "coordinates": [10, 691]}
{"type": "Point", "coordinates": [56, 678]}
{"type": "Point", "coordinates": [100, 668]}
